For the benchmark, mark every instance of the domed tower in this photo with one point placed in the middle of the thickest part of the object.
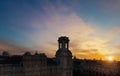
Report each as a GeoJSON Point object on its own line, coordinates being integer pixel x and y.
{"type": "Point", "coordinates": [64, 56]}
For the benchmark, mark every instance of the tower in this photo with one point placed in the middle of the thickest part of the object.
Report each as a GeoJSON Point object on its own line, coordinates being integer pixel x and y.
{"type": "Point", "coordinates": [64, 56]}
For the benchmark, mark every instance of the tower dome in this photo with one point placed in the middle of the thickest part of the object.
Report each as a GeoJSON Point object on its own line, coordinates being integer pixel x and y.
{"type": "Point", "coordinates": [63, 47]}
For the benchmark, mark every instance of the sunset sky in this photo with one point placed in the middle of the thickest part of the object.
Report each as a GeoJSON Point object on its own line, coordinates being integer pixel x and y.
{"type": "Point", "coordinates": [93, 27]}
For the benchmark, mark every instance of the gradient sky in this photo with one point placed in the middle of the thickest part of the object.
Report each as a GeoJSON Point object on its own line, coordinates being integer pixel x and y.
{"type": "Point", "coordinates": [93, 27]}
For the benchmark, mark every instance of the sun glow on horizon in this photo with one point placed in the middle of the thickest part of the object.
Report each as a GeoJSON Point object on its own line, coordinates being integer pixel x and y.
{"type": "Point", "coordinates": [110, 58]}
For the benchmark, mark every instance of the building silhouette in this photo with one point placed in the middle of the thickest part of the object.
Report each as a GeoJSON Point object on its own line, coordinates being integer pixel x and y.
{"type": "Point", "coordinates": [62, 65]}
{"type": "Point", "coordinates": [39, 64]}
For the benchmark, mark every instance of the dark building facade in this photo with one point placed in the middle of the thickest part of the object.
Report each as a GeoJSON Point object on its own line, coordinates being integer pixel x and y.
{"type": "Point", "coordinates": [39, 64]}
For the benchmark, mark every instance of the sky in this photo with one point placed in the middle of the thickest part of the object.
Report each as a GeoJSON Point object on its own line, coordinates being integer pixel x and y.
{"type": "Point", "coordinates": [93, 27]}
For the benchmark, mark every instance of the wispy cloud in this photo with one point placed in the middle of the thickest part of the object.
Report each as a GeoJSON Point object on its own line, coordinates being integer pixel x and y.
{"type": "Point", "coordinates": [81, 34]}
{"type": "Point", "coordinates": [58, 22]}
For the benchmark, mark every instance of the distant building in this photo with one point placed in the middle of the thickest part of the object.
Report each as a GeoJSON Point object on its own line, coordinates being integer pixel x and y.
{"type": "Point", "coordinates": [95, 68]}
{"type": "Point", "coordinates": [39, 64]}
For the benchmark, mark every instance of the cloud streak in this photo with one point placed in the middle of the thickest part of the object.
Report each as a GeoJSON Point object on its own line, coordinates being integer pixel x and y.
{"type": "Point", "coordinates": [58, 24]}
